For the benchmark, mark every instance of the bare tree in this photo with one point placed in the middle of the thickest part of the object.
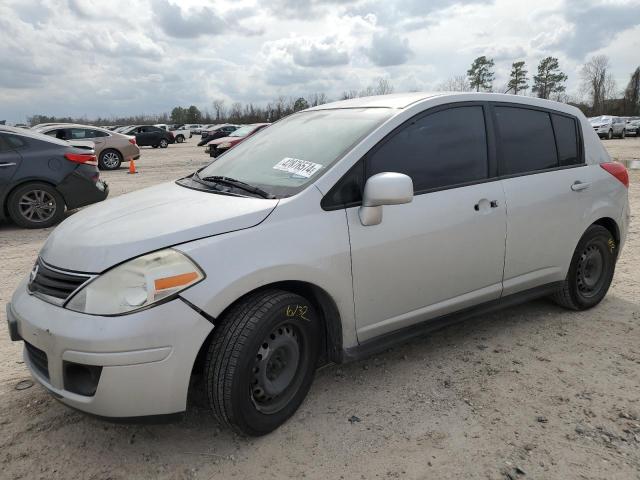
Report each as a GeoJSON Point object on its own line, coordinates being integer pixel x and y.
{"type": "Point", "coordinates": [383, 87]}
{"type": "Point", "coordinates": [349, 94]}
{"type": "Point", "coordinates": [316, 99]}
{"type": "Point", "coordinates": [457, 83]}
{"type": "Point", "coordinates": [219, 109]}
{"type": "Point", "coordinates": [598, 83]}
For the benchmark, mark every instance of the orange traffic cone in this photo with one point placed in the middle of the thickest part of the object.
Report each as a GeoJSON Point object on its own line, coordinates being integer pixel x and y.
{"type": "Point", "coordinates": [132, 166]}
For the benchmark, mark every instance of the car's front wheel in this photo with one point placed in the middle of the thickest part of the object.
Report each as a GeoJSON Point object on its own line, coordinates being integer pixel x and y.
{"type": "Point", "coordinates": [35, 205]}
{"type": "Point", "coordinates": [591, 270]}
{"type": "Point", "coordinates": [164, 143]}
{"type": "Point", "coordinates": [262, 360]}
{"type": "Point", "coordinates": [179, 139]}
{"type": "Point", "coordinates": [609, 134]}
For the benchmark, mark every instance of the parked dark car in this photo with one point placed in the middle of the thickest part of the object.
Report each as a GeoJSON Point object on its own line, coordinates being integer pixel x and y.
{"type": "Point", "coordinates": [220, 145]}
{"type": "Point", "coordinates": [41, 176]}
{"type": "Point", "coordinates": [150, 136]}
{"type": "Point", "coordinates": [216, 131]}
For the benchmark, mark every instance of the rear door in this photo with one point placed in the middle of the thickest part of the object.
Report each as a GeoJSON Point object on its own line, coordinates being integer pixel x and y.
{"type": "Point", "coordinates": [547, 189]}
{"type": "Point", "coordinates": [10, 160]}
{"type": "Point", "coordinates": [444, 251]}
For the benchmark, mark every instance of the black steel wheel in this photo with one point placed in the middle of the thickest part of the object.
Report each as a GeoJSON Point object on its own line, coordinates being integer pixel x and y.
{"type": "Point", "coordinates": [261, 361]}
{"type": "Point", "coordinates": [36, 205]}
{"type": "Point", "coordinates": [591, 270]}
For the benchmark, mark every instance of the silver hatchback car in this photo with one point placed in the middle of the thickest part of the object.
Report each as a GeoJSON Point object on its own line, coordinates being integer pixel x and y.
{"type": "Point", "coordinates": [336, 232]}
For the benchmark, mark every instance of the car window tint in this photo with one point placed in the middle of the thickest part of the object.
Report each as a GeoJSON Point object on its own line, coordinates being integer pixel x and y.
{"type": "Point", "coordinates": [442, 149]}
{"type": "Point", "coordinates": [98, 133]}
{"type": "Point", "coordinates": [526, 140]}
{"type": "Point", "coordinates": [10, 142]}
{"type": "Point", "coordinates": [566, 140]}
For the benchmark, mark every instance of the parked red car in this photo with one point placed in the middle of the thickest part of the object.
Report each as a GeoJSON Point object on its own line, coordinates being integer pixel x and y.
{"type": "Point", "coordinates": [221, 145]}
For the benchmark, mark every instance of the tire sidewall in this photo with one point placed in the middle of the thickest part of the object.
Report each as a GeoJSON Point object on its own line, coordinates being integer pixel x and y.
{"type": "Point", "coordinates": [249, 418]}
{"type": "Point", "coordinates": [602, 237]}
{"type": "Point", "coordinates": [20, 220]}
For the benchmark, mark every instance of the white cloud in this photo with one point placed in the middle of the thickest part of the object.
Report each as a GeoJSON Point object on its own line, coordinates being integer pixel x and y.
{"type": "Point", "coordinates": [75, 57]}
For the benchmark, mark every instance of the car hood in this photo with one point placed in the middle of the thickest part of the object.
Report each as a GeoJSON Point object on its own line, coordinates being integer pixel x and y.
{"type": "Point", "coordinates": [115, 230]}
{"type": "Point", "coordinates": [231, 140]}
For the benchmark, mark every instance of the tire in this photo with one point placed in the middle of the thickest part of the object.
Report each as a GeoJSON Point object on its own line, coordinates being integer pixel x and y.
{"type": "Point", "coordinates": [163, 143]}
{"type": "Point", "coordinates": [591, 270]}
{"type": "Point", "coordinates": [251, 387]}
{"type": "Point", "coordinates": [47, 205]}
{"type": "Point", "coordinates": [609, 135]}
{"type": "Point", "coordinates": [110, 160]}
{"type": "Point", "coordinates": [622, 135]}
{"type": "Point", "coordinates": [179, 139]}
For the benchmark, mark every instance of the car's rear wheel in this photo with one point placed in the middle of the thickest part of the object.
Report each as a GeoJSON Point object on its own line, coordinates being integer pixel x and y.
{"type": "Point", "coordinates": [110, 160]}
{"type": "Point", "coordinates": [35, 205]}
{"type": "Point", "coordinates": [164, 143]}
{"type": "Point", "coordinates": [591, 270]}
{"type": "Point", "coordinates": [262, 360]}
{"type": "Point", "coordinates": [179, 139]}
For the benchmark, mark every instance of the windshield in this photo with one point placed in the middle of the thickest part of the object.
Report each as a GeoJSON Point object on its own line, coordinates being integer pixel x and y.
{"type": "Point", "coordinates": [243, 131]}
{"type": "Point", "coordinates": [600, 119]}
{"type": "Point", "coordinates": [287, 156]}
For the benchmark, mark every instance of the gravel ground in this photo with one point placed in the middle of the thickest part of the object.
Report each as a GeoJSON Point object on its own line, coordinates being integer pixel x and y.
{"type": "Point", "coordinates": [530, 392]}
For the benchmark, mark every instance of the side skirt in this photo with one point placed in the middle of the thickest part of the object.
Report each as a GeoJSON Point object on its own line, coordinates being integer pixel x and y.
{"type": "Point", "coordinates": [378, 344]}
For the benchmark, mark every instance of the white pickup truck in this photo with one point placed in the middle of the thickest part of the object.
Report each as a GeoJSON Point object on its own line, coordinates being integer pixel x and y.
{"type": "Point", "coordinates": [180, 132]}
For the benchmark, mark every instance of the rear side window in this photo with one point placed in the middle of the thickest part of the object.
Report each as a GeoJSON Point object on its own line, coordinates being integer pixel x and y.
{"type": "Point", "coordinates": [526, 140]}
{"type": "Point", "coordinates": [566, 140]}
{"type": "Point", "coordinates": [442, 149]}
{"type": "Point", "coordinates": [15, 142]}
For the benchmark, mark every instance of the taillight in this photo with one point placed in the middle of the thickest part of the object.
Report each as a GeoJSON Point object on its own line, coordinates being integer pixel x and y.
{"type": "Point", "coordinates": [617, 170]}
{"type": "Point", "coordinates": [86, 158]}
{"type": "Point", "coordinates": [132, 140]}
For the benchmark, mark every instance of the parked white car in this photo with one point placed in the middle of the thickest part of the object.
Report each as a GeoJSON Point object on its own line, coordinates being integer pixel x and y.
{"type": "Point", "coordinates": [180, 133]}
{"type": "Point", "coordinates": [194, 128]}
{"type": "Point", "coordinates": [607, 126]}
{"type": "Point", "coordinates": [334, 233]}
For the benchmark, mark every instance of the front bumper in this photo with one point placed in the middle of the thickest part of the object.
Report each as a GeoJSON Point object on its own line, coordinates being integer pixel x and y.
{"type": "Point", "coordinates": [145, 358]}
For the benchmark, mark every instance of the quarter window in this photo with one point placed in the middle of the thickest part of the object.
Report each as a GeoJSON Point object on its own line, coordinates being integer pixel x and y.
{"type": "Point", "coordinates": [439, 150]}
{"type": "Point", "coordinates": [566, 140]}
{"type": "Point", "coordinates": [526, 140]}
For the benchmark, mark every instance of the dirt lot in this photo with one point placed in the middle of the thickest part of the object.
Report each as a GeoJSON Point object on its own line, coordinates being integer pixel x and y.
{"type": "Point", "coordinates": [553, 393]}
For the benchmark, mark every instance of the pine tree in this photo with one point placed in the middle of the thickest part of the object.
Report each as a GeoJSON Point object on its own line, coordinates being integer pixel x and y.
{"type": "Point", "coordinates": [518, 79]}
{"type": "Point", "coordinates": [549, 78]}
{"type": "Point", "coordinates": [481, 73]}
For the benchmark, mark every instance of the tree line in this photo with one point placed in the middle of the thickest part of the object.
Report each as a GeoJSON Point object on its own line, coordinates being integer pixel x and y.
{"type": "Point", "coordinates": [597, 86]}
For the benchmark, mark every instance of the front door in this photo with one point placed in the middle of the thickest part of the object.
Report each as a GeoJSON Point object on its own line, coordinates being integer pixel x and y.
{"type": "Point", "coordinates": [444, 251]}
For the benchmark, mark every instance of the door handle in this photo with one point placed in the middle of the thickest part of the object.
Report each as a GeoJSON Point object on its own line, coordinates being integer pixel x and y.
{"type": "Point", "coordinates": [484, 204]}
{"type": "Point", "coordinates": [7, 164]}
{"type": "Point", "coordinates": [578, 186]}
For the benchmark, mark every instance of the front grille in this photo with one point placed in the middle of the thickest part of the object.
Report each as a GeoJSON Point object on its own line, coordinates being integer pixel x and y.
{"type": "Point", "coordinates": [53, 282]}
{"type": "Point", "coordinates": [38, 360]}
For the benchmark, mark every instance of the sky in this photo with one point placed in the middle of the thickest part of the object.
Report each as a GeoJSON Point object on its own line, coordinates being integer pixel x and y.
{"type": "Point", "coordinates": [123, 57]}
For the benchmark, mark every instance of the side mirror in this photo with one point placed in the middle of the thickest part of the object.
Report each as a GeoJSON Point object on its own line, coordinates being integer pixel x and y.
{"type": "Point", "coordinates": [387, 188]}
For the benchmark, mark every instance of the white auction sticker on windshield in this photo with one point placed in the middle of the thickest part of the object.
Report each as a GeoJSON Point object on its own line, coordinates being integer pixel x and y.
{"type": "Point", "coordinates": [298, 167]}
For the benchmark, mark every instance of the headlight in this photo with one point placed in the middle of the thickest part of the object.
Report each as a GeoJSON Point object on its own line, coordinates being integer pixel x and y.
{"type": "Point", "coordinates": [137, 284]}
{"type": "Point", "coordinates": [225, 145]}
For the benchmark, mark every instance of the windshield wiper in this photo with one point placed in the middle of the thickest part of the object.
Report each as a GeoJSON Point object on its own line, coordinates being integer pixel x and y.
{"type": "Point", "coordinates": [232, 182]}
